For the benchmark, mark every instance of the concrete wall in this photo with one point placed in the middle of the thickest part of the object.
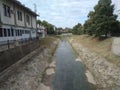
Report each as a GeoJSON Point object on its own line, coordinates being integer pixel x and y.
{"type": "Point", "coordinates": [11, 56]}
{"type": "Point", "coordinates": [116, 46]}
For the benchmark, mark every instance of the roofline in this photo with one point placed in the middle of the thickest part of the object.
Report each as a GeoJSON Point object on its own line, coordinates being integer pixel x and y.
{"type": "Point", "coordinates": [28, 9]}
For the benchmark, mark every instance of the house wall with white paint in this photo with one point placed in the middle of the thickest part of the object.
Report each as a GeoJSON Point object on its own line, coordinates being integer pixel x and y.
{"type": "Point", "coordinates": [17, 21]}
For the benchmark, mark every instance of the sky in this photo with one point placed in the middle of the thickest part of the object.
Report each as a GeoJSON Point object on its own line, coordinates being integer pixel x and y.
{"type": "Point", "coordinates": [64, 13]}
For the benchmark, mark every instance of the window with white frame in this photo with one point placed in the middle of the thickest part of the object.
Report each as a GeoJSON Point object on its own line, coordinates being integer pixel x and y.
{"type": "Point", "coordinates": [19, 15]}
{"type": "Point", "coordinates": [6, 10]}
{"type": "Point", "coordinates": [28, 19]}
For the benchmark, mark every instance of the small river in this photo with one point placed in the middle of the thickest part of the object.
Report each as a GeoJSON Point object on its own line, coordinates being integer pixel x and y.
{"type": "Point", "coordinates": [69, 73]}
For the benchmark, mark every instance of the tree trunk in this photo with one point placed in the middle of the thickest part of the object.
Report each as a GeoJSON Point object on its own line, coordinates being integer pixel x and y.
{"type": "Point", "coordinates": [106, 34]}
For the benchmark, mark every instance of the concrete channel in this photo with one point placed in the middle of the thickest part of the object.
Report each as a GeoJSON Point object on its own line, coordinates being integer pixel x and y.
{"type": "Point", "coordinates": [69, 73]}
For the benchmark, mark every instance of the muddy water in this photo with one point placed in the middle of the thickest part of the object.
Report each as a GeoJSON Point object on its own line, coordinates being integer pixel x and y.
{"type": "Point", "coordinates": [69, 73]}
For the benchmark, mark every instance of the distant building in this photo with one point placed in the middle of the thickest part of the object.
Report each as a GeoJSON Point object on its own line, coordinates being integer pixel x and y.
{"type": "Point", "coordinates": [66, 30]}
{"type": "Point", "coordinates": [16, 21]}
{"type": "Point", "coordinates": [41, 31]}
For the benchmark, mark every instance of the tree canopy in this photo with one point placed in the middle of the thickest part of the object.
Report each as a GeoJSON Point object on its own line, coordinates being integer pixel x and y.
{"type": "Point", "coordinates": [101, 21]}
{"type": "Point", "coordinates": [77, 29]}
{"type": "Point", "coordinates": [48, 26]}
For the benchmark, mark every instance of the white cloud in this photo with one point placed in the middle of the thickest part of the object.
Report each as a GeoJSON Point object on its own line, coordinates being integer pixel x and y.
{"type": "Point", "coordinates": [63, 13]}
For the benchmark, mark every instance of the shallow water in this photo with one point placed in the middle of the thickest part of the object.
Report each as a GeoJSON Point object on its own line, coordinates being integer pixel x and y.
{"type": "Point", "coordinates": [69, 73]}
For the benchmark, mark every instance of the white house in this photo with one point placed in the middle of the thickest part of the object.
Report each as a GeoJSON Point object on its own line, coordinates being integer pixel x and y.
{"type": "Point", "coordinates": [41, 31]}
{"type": "Point", "coordinates": [16, 21]}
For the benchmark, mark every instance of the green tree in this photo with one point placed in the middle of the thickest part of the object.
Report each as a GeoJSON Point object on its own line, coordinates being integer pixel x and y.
{"type": "Point", "coordinates": [48, 26]}
{"type": "Point", "coordinates": [39, 22]}
{"type": "Point", "coordinates": [58, 30]}
{"type": "Point", "coordinates": [77, 29]}
{"type": "Point", "coordinates": [101, 21]}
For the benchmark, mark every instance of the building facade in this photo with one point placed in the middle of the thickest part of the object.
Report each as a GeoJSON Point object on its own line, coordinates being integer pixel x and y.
{"type": "Point", "coordinates": [16, 21]}
{"type": "Point", "coordinates": [41, 31]}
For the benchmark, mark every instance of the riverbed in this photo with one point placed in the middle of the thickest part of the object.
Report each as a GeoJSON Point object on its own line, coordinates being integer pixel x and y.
{"type": "Point", "coordinates": [70, 73]}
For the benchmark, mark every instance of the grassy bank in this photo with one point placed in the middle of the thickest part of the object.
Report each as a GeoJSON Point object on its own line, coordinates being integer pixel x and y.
{"type": "Point", "coordinates": [101, 47]}
{"type": "Point", "coordinates": [48, 42]}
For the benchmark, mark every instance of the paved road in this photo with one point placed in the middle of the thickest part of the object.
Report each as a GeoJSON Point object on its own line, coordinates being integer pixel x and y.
{"type": "Point", "coordinates": [69, 74]}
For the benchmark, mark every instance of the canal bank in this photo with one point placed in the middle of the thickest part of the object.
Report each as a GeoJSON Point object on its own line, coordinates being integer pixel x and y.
{"type": "Point", "coordinates": [69, 72]}
{"type": "Point", "coordinates": [28, 75]}
{"type": "Point", "coordinates": [105, 73]}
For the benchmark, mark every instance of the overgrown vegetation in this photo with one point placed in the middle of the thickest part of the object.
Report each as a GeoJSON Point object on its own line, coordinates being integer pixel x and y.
{"type": "Point", "coordinates": [103, 47]}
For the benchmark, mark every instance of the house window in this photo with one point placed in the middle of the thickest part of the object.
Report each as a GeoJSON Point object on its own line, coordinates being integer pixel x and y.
{"type": "Point", "coordinates": [19, 14]}
{"type": "Point", "coordinates": [1, 32]}
{"type": "Point", "coordinates": [6, 10]}
{"type": "Point", "coordinates": [5, 32]}
{"type": "Point", "coordinates": [16, 32]}
{"type": "Point", "coordinates": [24, 31]}
{"type": "Point", "coordinates": [27, 32]}
{"type": "Point", "coordinates": [28, 19]}
{"type": "Point", "coordinates": [20, 32]}
{"type": "Point", "coordinates": [8, 32]}
{"type": "Point", "coordinates": [12, 31]}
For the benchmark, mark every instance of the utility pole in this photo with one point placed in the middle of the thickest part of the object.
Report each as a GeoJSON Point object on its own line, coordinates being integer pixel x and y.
{"type": "Point", "coordinates": [35, 8]}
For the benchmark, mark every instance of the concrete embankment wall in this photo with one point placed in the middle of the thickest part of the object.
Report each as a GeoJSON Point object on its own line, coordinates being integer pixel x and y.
{"type": "Point", "coordinates": [29, 74]}
{"type": "Point", "coordinates": [12, 55]}
{"type": "Point", "coordinates": [107, 74]}
{"type": "Point", "coordinates": [116, 46]}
